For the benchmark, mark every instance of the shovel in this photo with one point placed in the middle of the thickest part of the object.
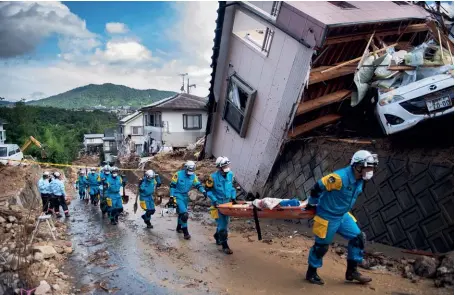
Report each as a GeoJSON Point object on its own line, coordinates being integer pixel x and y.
{"type": "Point", "coordinates": [137, 195]}
{"type": "Point", "coordinates": [125, 198]}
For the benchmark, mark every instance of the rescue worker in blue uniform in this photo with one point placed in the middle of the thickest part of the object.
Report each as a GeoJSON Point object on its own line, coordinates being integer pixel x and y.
{"type": "Point", "coordinates": [104, 177]}
{"type": "Point", "coordinates": [114, 201]}
{"type": "Point", "coordinates": [149, 183]}
{"type": "Point", "coordinates": [221, 190]}
{"type": "Point", "coordinates": [94, 181]}
{"type": "Point", "coordinates": [334, 196]}
{"type": "Point", "coordinates": [182, 182]}
{"type": "Point", "coordinates": [57, 187]}
{"type": "Point", "coordinates": [44, 189]}
{"type": "Point", "coordinates": [82, 184]}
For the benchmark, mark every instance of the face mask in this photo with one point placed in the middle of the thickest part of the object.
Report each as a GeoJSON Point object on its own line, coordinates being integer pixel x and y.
{"type": "Point", "coordinates": [107, 172]}
{"type": "Point", "coordinates": [190, 172]}
{"type": "Point", "coordinates": [226, 170]}
{"type": "Point", "coordinates": [368, 175]}
{"type": "Point", "coordinates": [114, 174]}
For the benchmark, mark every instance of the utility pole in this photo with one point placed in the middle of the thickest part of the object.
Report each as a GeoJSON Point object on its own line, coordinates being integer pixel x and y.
{"type": "Point", "coordinates": [183, 81]}
{"type": "Point", "coordinates": [188, 86]}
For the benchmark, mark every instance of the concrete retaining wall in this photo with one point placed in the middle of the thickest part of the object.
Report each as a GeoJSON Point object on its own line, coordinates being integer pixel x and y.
{"type": "Point", "coordinates": [409, 203]}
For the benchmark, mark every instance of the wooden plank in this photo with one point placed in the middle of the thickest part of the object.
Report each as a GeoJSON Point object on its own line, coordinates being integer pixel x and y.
{"type": "Point", "coordinates": [317, 76]}
{"type": "Point", "coordinates": [356, 59]}
{"type": "Point", "coordinates": [411, 68]}
{"type": "Point", "coordinates": [321, 121]}
{"type": "Point", "coordinates": [381, 33]}
{"type": "Point", "coordinates": [308, 106]}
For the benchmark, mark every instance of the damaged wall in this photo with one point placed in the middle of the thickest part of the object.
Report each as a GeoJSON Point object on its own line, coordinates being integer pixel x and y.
{"type": "Point", "coordinates": [19, 185]}
{"type": "Point", "coordinates": [408, 204]}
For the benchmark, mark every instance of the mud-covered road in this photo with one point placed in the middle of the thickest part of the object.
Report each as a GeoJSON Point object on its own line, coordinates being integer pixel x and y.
{"type": "Point", "coordinates": [130, 259]}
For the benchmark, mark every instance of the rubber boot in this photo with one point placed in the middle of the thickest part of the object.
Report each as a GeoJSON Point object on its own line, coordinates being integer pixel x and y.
{"type": "Point", "coordinates": [226, 248]}
{"type": "Point", "coordinates": [217, 239]}
{"type": "Point", "coordinates": [67, 215]}
{"type": "Point", "coordinates": [353, 275]}
{"type": "Point", "coordinates": [58, 215]}
{"type": "Point", "coordinates": [113, 222]}
{"type": "Point", "coordinates": [179, 229]}
{"type": "Point", "coordinates": [149, 225]}
{"type": "Point", "coordinates": [186, 234]}
{"type": "Point", "coordinates": [313, 277]}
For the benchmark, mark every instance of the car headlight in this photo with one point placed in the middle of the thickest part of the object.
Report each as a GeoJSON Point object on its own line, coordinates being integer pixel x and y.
{"type": "Point", "coordinates": [389, 99]}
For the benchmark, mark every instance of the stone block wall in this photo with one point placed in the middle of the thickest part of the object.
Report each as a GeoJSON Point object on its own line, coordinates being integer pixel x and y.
{"type": "Point", "coordinates": [409, 203]}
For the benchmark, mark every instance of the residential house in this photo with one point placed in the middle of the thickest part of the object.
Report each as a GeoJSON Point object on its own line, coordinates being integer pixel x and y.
{"type": "Point", "coordinates": [2, 131]}
{"type": "Point", "coordinates": [175, 122]}
{"type": "Point", "coordinates": [269, 91]}
{"type": "Point", "coordinates": [131, 134]}
{"type": "Point", "coordinates": [110, 145]}
{"type": "Point", "coordinates": [93, 143]}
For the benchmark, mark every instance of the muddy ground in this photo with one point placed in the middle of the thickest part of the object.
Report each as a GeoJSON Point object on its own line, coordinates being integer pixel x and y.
{"type": "Point", "coordinates": [130, 259]}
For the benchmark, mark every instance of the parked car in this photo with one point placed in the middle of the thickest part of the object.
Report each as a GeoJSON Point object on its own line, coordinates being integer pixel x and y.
{"type": "Point", "coordinates": [10, 152]}
{"type": "Point", "coordinates": [405, 107]}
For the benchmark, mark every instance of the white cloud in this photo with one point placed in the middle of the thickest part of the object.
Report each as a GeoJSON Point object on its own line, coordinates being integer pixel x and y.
{"type": "Point", "coordinates": [123, 51]}
{"type": "Point", "coordinates": [116, 28]}
{"type": "Point", "coordinates": [124, 61]}
{"type": "Point", "coordinates": [25, 24]}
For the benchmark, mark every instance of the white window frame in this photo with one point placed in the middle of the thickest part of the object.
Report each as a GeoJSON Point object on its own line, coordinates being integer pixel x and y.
{"type": "Point", "coordinates": [236, 81]}
{"type": "Point", "coordinates": [157, 119]}
{"type": "Point", "coordinates": [185, 121]}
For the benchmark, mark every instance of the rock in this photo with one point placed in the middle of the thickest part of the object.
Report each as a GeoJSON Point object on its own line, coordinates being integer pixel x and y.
{"type": "Point", "coordinates": [8, 226]}
{"type": "Point", "coordinates": [11, 219]}
{"type": "Point", "coordinates": [16, 208]}
{"type": "Point", "coordinates": [43, 288]}
{"type": "Point", "coordinates": [445, 272]}
{"type": "Point", "coordinates": [68, 250]}
{"type": "Point", "coordinates": [56, 287]}
{"type": "Point", "coordinates": [59, 249]}
{"type": "Point", "coordinates": [48, 251]}
{"type": "Point", "coordinates": [4, 249]}
{"type": "Point", "coordinates": [12, 261]}
{"type": "Point", "coordinates": [2, 220]}
{"type": "Point", "coordinates": [408, 272]}
{"type": "Point", "coordinates": [425, 266]}
{"type": "Point", "coordinates": [12, 246]}
{"type": "Point", "coordinates": [38, 257]}
{"type": "Point", "coordinates": [55, 270]}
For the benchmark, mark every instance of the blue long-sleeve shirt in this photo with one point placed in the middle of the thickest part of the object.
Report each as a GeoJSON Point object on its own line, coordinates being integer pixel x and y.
{"type": "Point", "coordinates": [82, 181]}
{"type": "Point", "coordinates": [94, 179]}
{"type": "Point", "coordinates": [220, 189]}
{"type": "Point", "coordinates": [57, 187]}
{"type": "Point", "coordinates": [44, 186]}
{"type": "Point", "coordinates": [148, 187]}
{"type": "Point", "coordinates": [182, 183]}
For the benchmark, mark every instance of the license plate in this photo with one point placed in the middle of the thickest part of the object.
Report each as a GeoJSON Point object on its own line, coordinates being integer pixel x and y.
{"type": "Point", "coordinates": [438, 103]}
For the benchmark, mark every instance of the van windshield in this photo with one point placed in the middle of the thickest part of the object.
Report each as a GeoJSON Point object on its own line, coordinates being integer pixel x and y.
{"type": "Point", "coordinates": [3, 151]}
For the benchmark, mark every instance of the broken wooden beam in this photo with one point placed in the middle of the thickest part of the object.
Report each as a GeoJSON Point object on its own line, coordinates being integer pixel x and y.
{"type": "Point", "coordinates": [445, 41]}
{"type": "Point", "coordinates": [321, 121]}
{"type": "Point", "coordinates": [410, 68]}
{"type": "Point", "coordinates": [381, 33]}
{"type": "Point", "coordinates": [356, 59]}
{"type": "Point", "coordinates": [310, 105]}
{"type": "Point", "coordinates": [317, 76]}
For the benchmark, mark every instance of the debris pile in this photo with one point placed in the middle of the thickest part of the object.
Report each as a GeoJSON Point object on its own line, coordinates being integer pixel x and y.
{"type": "Point", "coordinates": [441, 270]}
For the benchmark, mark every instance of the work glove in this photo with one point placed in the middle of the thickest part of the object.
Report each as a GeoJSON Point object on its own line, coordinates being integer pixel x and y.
{"type": "Point", "coordinates": [215, 204]}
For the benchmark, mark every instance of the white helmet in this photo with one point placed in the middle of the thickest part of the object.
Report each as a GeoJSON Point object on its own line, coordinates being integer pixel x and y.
{"type": "Point", "coordinates": [81, 172]}
{"type": "Point", "coordinates": [150, 174]}
{"type": "Point", "coordinates": [93, 169]}
{"type": "Point", "coordinates": [46, 173]}
{"type": "Point", "coordinates": [224, 162]}
{"type": "Point", "coordinates": [218, 161]}
{"type": "Point", "coordinates": [190, 167]}
{"type": "Point", "coordinates": [56, 174]}
{"type": "Point", "coordinates": [364, 159]}
{"type": "Point", "coordinates": [107, 169]}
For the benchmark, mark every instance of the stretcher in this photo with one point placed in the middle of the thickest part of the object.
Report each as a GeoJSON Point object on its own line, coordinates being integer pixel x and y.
{"type": "Point", "coordinates": [248, 210]}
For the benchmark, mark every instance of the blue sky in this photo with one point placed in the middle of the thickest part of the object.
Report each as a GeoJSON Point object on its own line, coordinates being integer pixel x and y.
{"type": "Point", "coordinates": [63, 45]}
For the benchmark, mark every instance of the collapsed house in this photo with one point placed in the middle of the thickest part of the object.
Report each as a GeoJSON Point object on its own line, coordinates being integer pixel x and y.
{"type": "Point", "coordinates": [284, 72]}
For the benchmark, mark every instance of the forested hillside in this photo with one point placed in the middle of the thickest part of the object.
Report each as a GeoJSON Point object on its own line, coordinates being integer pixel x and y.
{"type": "Point", "coordinates": [61, 131]}
{"type": "Point", "coordinates": [107, 95]}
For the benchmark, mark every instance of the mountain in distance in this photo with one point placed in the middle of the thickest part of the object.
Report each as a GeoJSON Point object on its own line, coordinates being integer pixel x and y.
{"type": "Point", "coordinates": [108, 95]}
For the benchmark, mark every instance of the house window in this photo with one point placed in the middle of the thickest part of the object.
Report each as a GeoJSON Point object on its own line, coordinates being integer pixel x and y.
{"type": "Point", "coordinates": [343, 4]}
{"type": "Point", "coordinates": [192, 122]}
{"type": "Point", "coordinates": [154, 119]}
{"type": "Point", "coordinates": [2, 135]}
{"type": "Point", "coordinates": [136, 130]}
{"type": "Point", "coordinates": [239, 104]}
{"type": "Point", "coordinates": [253, 32]}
